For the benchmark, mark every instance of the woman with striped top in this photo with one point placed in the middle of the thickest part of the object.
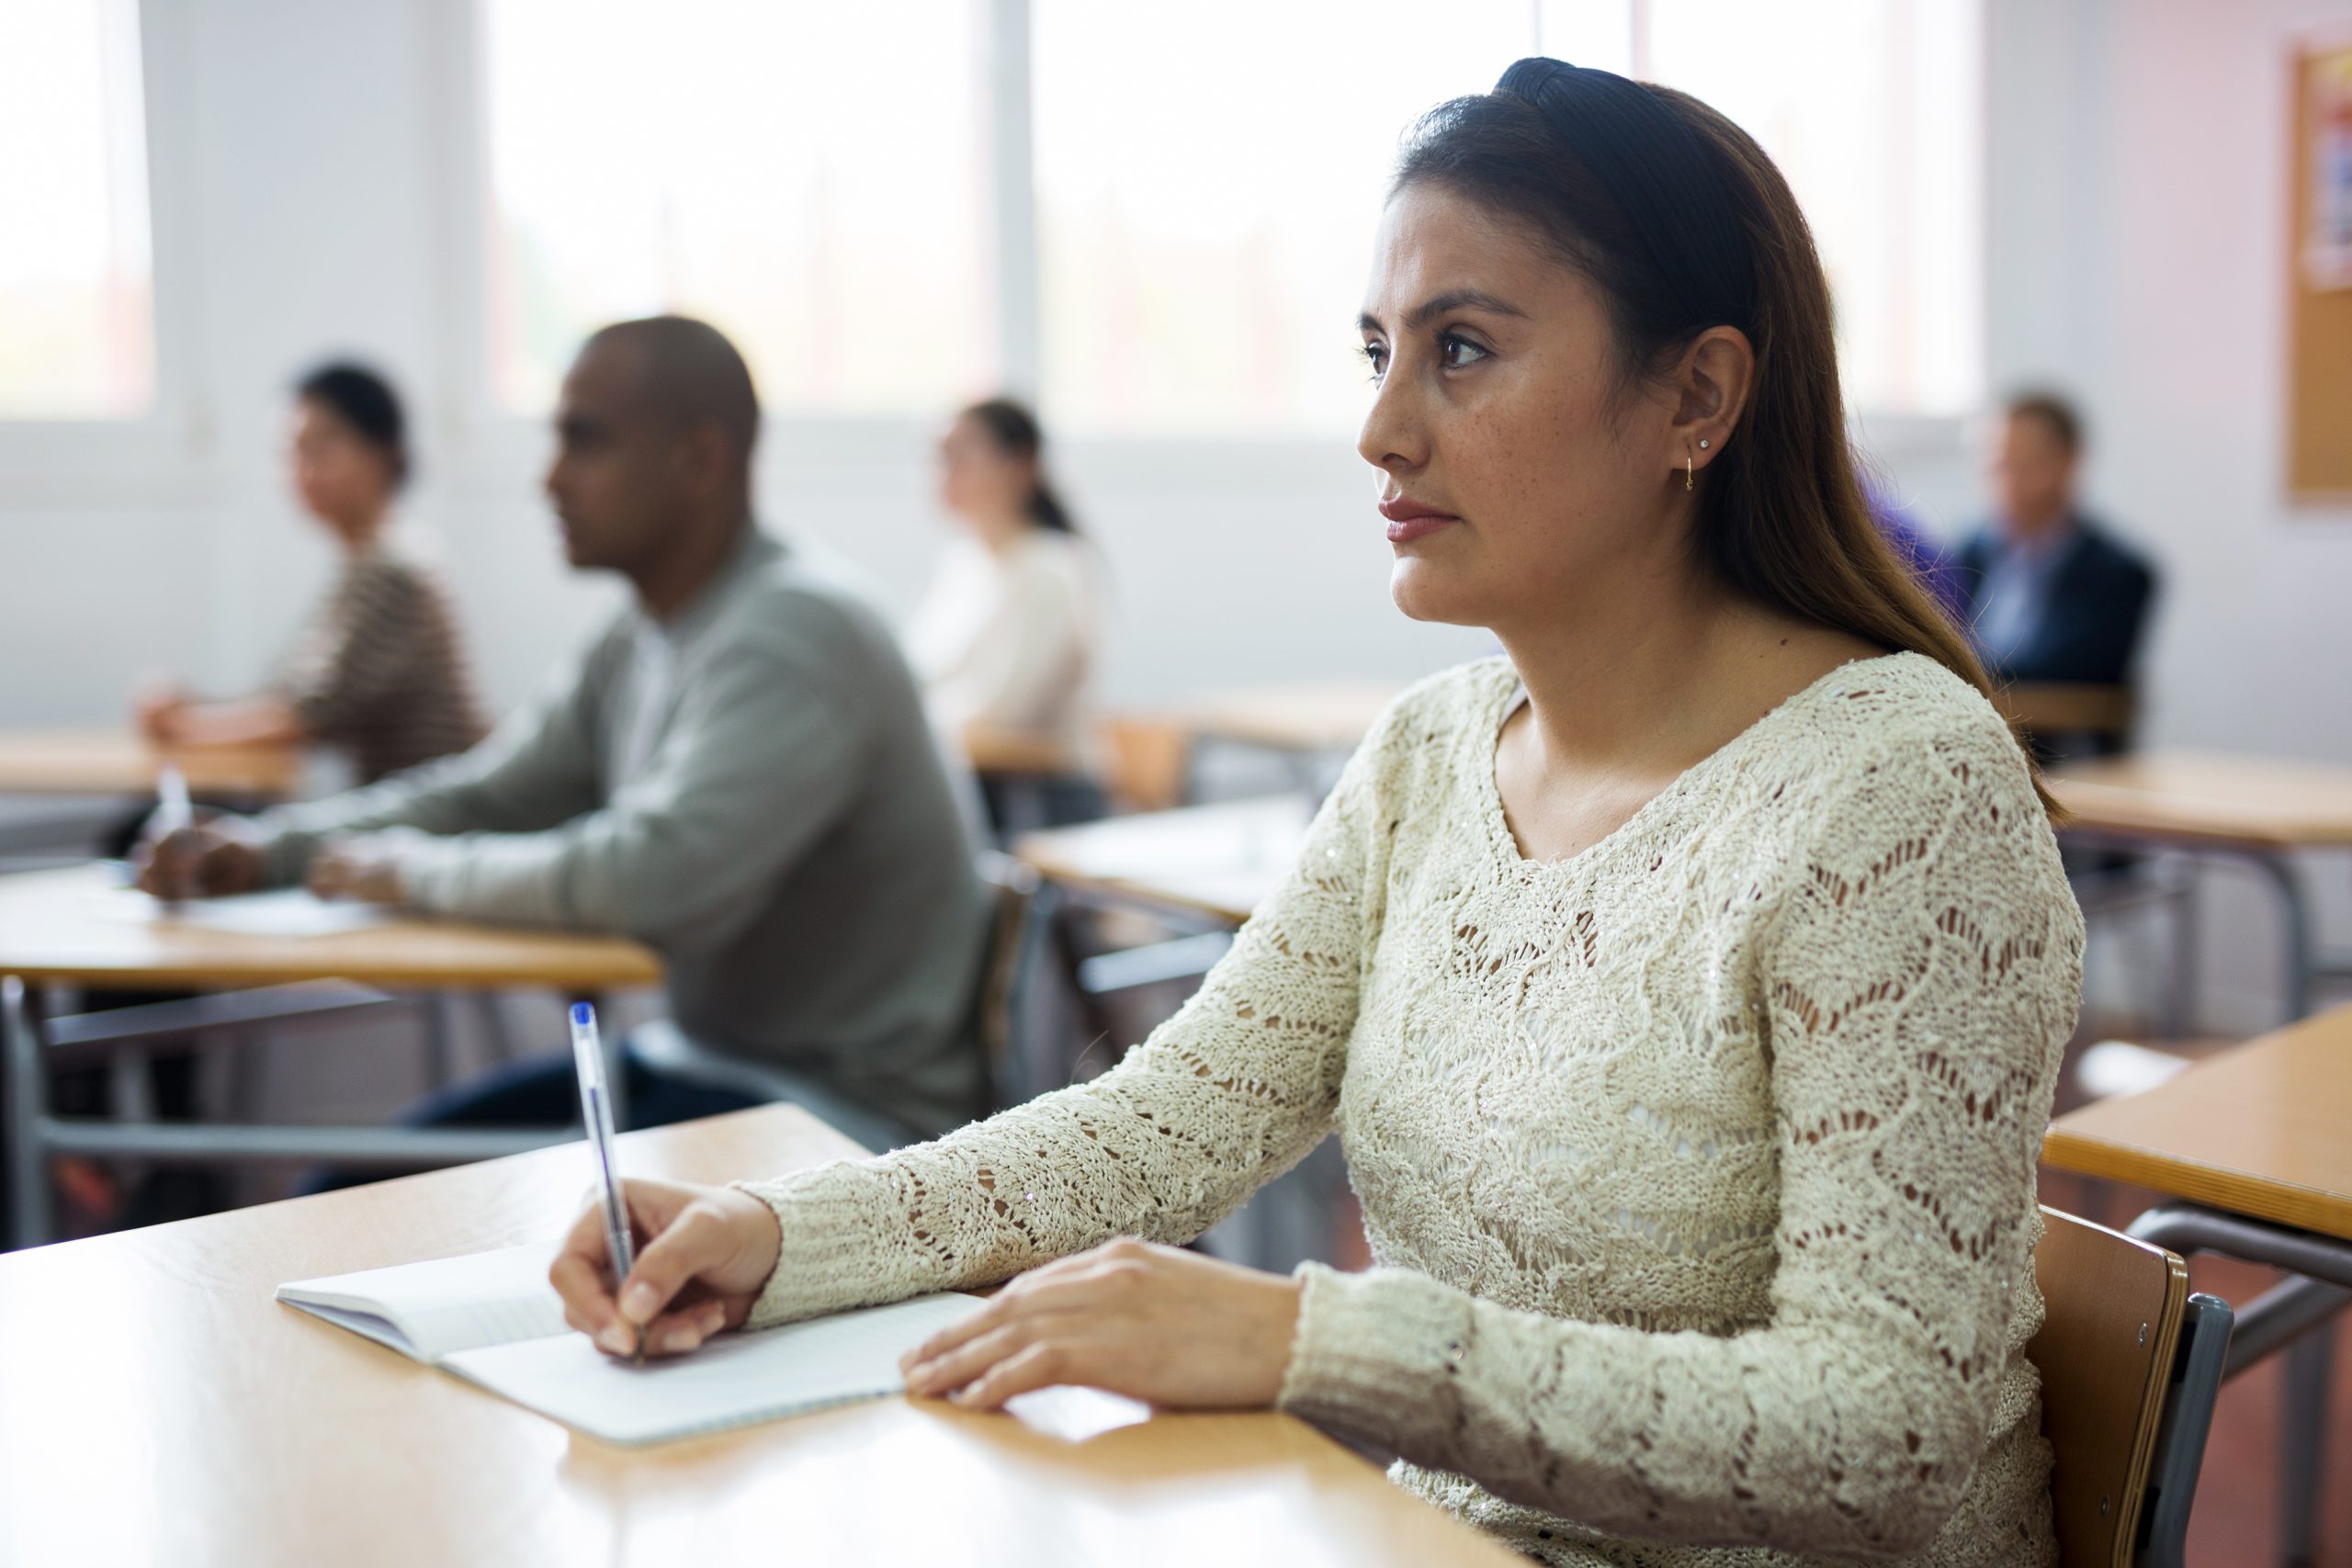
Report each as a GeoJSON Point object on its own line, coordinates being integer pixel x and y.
{"type": "Point", "coordinates": [378, 671]}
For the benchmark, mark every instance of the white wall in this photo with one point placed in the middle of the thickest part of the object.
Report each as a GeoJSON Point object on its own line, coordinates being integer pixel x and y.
{"type": "Point", "coordinates": [308, 172]}
{"type": "Point", "coordinates": [2139, 258]}
{"type": "Point", "coordinates": [2144, 262]}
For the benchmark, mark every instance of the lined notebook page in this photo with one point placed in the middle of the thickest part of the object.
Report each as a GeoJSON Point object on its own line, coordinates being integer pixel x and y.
{"type": "Point", "coordinates": [447, 1304]}
{"type": "Point", "coordinates": [733, 1380]}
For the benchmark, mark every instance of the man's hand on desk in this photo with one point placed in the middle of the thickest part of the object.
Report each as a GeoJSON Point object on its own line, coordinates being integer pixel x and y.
{"type": "Point", "coordinates": [358, 868]}
{"type": "Point", "coordinates": [703, 1253]}
{"type": "Point", "coordinates": [207, 860]}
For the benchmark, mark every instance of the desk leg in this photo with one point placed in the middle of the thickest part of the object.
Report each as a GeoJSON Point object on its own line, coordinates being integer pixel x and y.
{"type": "Point", "coordinates": [2302, 1438]}
{"type": "Point", "coordinates": [440, 1039]}
{"type": "Point", "coordinates": [2302, 965]}
{"type": "Point", "coordinates": [2296, 910]}
{"type": "Point", "coordinates": [28, 1161]}
{"type": "Point", "coordinates": [2182, 1003]}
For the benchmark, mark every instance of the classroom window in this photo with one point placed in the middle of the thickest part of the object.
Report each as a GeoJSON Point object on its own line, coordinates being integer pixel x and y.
{"type": "Point", "coordinates": [76, 299]}
{"type": "Point", "coordinates": [811, 178]}
{"type": "Point", "coordinates": [1205, 224]}
{"type": "Point", "coordinates": [1871, 110]}
{"type": "Point", "coordinates": [1209, 173]}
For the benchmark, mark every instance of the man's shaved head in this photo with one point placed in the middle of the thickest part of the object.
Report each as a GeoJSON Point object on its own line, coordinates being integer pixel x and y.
{"type": "Point", "coordinates": [687, 373]}
{"type": "Point", "coordinates": [652, 472]}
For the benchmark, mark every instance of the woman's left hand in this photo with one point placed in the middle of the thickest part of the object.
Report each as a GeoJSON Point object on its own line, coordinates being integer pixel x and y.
{"type": "Point", "coordinates": [1170, 1327]}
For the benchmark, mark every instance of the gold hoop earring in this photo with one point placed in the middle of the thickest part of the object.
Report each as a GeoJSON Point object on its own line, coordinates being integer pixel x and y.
{"type": "Point", "coordinates": [1686, 470]}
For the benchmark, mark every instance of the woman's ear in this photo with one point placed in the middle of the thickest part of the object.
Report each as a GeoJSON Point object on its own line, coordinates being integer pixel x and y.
{"type": "Point", "coordinates": [1710, 383]}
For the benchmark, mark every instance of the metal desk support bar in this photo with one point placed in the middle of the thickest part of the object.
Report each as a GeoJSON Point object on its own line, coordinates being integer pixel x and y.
{"type": "Point", "coordinates": [372, 1146]}
{"type": "Point", "coordinates": [33, 1135]}
{"type": "Point", "coordinates": [2191, 1227]}
{"type": "Point", "coordinates": [2280, 1317]}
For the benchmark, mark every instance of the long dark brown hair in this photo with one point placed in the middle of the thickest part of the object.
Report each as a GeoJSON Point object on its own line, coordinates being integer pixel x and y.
{"type": "Point", "coordinates": [1682, 223]}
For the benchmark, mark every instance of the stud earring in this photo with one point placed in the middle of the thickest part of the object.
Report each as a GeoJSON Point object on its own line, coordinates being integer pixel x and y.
{"type": "Point", "coordinates": [1702, 444]}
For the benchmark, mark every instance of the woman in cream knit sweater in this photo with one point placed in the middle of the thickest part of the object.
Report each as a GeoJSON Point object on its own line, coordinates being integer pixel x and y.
{"type": "Point", "coordinates": [1686, 987]}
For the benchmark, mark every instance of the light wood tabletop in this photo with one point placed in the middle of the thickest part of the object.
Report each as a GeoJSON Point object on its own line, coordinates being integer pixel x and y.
{"type": "Point", "coordinates": [162, 1408]}
{"type": "Point", "coordinates": [1219, 861]}
{"type": "Point", "coordinates": [1301, 715]}
{"type": "Point", "coordinates": [79, 924]}
{"type": "Point", "coordinates": [116, 762]}
{"type": "Point", "coordinates": [2207, 798]}
{"type": "Point", "coordinates": [2264, 1130]}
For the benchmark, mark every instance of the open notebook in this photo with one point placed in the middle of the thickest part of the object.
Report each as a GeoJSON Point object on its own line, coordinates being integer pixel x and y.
{"type": "Point", "coordinates": [491, 1318]}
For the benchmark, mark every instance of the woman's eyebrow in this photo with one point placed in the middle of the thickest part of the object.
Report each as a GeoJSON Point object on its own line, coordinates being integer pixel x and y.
{"type": "Point", "coordinates": [1428, 310]}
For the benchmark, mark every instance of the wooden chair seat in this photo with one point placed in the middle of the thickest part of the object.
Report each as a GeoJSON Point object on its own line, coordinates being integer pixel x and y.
{"type": "Point", "coordinates": [2049, 710]}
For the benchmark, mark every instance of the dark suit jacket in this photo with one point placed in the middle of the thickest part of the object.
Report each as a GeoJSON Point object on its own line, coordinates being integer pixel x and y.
{"type": "Point", "coordinates": [2099, 595]}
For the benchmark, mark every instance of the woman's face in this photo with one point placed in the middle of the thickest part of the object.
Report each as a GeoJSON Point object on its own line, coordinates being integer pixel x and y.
{"type": "Point", "coordinates": [978, 481]}
{"type": "Point", "coordinates": [342, 478]}
{"type": "Point", "coordinates": [1515, 472]}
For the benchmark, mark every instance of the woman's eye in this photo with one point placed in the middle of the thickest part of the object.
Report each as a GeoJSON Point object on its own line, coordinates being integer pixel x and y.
{"type": "Point", "coordinates": [1377, 355]}
{"type": "Point", "coordinates": [1453, 352]}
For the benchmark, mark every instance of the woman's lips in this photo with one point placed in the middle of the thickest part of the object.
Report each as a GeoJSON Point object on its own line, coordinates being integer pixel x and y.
{"type": "Point", "coordinates": [1409, 520]}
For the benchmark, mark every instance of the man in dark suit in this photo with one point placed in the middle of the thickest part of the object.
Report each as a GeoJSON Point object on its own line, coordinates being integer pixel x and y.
{"type": "Point", "coordinates": [2047, 594]}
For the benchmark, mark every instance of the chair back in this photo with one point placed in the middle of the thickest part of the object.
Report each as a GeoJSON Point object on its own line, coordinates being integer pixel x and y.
{"type": "Point", "coordinates": [2106, 1355]}
{"type": "Point", "coordinates": [1147, 761]}
{"type": "Point", "coordinates": [2053, 711]}
{"type": "Point", "coordinates": [1012, 884]}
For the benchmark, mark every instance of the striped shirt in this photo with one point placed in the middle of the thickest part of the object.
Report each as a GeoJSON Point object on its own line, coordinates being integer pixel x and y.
{"type": "Point", "coordinates": [379, 673]}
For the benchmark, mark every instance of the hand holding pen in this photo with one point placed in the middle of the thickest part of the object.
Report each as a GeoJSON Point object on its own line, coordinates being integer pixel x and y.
{"type": "Point", "coordinates": [179, 858]}
{"type": "Point", "coordinates": [707, 1251]}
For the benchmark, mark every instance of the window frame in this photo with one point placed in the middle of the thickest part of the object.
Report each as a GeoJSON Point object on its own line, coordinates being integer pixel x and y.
{"type": "Point", "coordinates": [166, 453]}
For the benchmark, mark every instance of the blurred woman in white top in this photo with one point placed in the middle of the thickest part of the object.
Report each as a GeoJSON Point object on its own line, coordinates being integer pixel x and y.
{"type": "Point", "coordinates": [1004, 640]}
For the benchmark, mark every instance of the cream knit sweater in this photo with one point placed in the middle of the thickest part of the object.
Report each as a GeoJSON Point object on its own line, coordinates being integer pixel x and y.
{"type": "Point", "coordinates": [1699, 1166]}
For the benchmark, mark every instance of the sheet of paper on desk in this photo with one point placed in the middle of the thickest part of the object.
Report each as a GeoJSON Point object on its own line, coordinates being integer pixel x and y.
{"type": "Point", "coordinates": [288, 912]}
{"type": "Point", "coordinates": [735, 1380]}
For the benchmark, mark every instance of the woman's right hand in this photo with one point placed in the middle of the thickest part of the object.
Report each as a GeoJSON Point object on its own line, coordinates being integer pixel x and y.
{"type": "Point", "coordinates": [703, 1255]}
{"type": "Point", "coordinates": [158, 702]}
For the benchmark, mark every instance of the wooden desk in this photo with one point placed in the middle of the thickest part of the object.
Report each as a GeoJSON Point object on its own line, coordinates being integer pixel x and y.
{"type": "Point", "coordinates": [1213, 861]}
{"type": "Point", "coordinates": [2204, 798]}
{"type": "Point", "coordinates": [77, 926]}
{"type": "Point", "coordinates": [117, 761]}
{"type": "Point", "coordinates": [162, 1408]}
{"type": "Point", "coordinates": [2263, 1130]}
{"type": "Point", "coordinates": [2258, 810]}
{"type": "Point", "coordinates": [2255, 1138]}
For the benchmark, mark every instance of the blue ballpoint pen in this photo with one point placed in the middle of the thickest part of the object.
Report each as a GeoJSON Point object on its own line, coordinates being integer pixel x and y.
{"type": "Point", "coordinates": [597, 1110]}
